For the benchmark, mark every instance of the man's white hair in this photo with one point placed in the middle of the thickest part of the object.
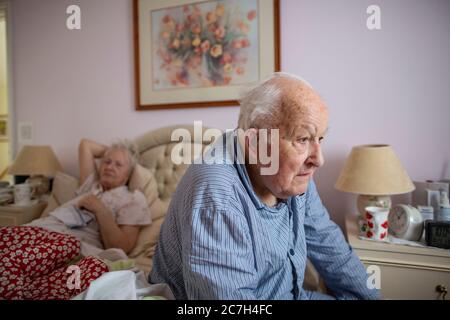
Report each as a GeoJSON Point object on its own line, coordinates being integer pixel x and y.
{"type": "Point", "coordinates": [260, 103]}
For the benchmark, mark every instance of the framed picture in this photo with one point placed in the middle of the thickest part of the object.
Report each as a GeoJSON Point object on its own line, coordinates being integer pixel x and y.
{"type": "Point", "coordinates": [191, 53]}
{"type": "Point", "coordinates": [3, 127]}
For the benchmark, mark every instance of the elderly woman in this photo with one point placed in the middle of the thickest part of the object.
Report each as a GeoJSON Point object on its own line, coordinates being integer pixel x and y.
{"type": "Point", "coordinates": [104, 215]}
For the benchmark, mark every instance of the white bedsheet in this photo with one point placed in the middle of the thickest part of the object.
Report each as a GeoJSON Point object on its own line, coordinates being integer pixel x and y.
{"type": "Point", "coordinates": [125, 285]}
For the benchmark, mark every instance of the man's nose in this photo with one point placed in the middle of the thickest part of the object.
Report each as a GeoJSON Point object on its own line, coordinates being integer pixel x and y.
{"type": "Point", "coordinates": [315, 154]}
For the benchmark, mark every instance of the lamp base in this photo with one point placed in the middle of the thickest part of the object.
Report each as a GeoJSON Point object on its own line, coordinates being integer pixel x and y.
{"type": "Point", "coordinates": [363, 201]}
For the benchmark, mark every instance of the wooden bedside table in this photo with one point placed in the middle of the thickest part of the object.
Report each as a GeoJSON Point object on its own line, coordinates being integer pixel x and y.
{"type": "Point", "coordinates": [407, 272]}
{"type": "Point", "coordinates": [16, 215]}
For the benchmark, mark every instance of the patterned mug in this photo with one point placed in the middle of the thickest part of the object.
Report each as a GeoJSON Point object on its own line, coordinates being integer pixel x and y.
{"type": "Point", "coordinates": [376, 222]}
{"type": "Point", "coordinates": [22, 194]}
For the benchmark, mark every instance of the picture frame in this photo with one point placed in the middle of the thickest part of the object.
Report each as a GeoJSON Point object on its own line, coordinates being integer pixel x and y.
{"type": "Point", "coordinates": [191, 53]}
{"type": "Point", "coordinates": [4, 127]}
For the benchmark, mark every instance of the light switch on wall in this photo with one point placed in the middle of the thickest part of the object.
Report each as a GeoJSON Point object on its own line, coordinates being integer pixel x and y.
{"type": "Point", "coordinates": [25, 133]}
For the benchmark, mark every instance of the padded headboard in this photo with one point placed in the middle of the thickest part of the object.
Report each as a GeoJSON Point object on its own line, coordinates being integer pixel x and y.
{"type": "Point", "coordinates": [155, 148]}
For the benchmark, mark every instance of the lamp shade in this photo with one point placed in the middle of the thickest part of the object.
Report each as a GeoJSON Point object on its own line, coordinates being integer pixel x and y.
{"type": "Point", "coordinates": [35, 160]}
{"type": "Point", "coordinates": [374, 170]}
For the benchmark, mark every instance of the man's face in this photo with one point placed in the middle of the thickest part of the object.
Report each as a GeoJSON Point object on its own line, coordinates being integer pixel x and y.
{"type": "Point", "coordinates": [299, 158]}
{"type": "Point", "coordinates": [302, 127]}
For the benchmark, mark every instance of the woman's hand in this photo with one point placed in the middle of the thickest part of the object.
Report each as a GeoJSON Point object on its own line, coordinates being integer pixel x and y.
{"type": "Point", "coordinates": [113, 235]}
{"type": "Point", "coordinates": [92, 204]}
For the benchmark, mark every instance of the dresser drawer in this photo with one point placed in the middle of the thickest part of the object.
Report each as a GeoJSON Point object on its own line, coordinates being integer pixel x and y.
{"type": "Point", "coordinates": [411, 282]}
{"type": "Point", "coordinates": [15, 215]}
{"type": "Point", "coordinates": [7, 220]}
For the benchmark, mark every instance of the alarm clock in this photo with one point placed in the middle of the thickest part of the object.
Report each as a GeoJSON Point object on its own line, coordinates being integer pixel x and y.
{"type": "Point", "coordinates": [405, 222]}
{"type": "Point", "coordinates": [437, 234]}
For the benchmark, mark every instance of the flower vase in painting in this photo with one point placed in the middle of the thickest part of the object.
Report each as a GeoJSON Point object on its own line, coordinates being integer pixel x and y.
{"type": "Point", "coordinates": [205, 44]}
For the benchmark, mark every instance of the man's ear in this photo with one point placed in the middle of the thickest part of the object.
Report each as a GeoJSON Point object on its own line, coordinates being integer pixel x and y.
{"type": "Point", "coordinates": [251, 142]}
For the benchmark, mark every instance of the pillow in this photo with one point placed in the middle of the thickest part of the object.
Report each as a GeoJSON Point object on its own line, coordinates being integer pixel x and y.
{"type": "Point", "coordinates": [148, 235]}
{"type": "Point", "coordinates": [64, 187]}
{"type": "Point", "coordinates": [52, 204]}
{"type": "Point", "coordinates": [142, 179]}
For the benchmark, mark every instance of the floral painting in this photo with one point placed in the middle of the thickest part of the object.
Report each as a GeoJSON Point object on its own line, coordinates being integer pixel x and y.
{"type": "Point", "coordinates": [205, 44]}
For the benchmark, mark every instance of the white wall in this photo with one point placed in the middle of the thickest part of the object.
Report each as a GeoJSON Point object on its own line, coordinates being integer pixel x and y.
{"type": "Point", "coordinates": [388, 86]}
{"type": "Point", "coordinates": [74, 84]}
{"type": "Point", "coordinates": [4, 144]}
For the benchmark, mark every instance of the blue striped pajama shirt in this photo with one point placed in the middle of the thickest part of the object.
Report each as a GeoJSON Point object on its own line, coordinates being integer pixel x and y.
{"type": "Point", "coordinates": [219, 241]}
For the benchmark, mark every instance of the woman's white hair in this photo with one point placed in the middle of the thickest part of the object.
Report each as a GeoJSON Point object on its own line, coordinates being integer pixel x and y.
{"type": "Point", "coordinates": [260, 104]}
{"type": "Point", "coordinates": [130, 149]}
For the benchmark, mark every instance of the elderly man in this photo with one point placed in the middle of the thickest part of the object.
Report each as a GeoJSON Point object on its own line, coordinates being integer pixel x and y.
{"type": "Point", "coordinates": [233, 232]}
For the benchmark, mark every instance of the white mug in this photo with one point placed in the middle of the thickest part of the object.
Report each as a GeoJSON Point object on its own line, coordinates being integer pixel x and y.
{"type": "Point", "coordinates": [22, 194]}
{"type": "Point", "coordinates": [376, 220]}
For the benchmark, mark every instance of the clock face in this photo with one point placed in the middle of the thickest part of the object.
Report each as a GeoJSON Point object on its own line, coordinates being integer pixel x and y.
{"type": "Point", "coordinates": [398, 221]}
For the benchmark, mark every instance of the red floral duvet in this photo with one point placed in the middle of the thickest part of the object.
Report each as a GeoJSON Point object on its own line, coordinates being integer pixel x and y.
{"type": "Point", "coordinates": [33, 265]}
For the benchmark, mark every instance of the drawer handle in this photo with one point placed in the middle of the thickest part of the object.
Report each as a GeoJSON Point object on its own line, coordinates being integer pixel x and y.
{"type": "Point", "coordinates": [442, 290]}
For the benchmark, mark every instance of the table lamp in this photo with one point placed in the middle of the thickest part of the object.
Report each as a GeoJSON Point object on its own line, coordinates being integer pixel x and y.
{"type": "Point", "coordinates": [38, 162]}
{"type": "Point", "coordinates": [374, 173]}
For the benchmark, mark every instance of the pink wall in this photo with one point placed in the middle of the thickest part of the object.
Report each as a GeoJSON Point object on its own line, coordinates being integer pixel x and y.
{"type": "Point", "coordinates": [387, 86]}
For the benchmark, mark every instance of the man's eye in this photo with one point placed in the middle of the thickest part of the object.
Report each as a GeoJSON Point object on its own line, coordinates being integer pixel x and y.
{"type": "Point", "coordinates": [303, 140]}
{"type": "Point", "coordinates": [320, 139]}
